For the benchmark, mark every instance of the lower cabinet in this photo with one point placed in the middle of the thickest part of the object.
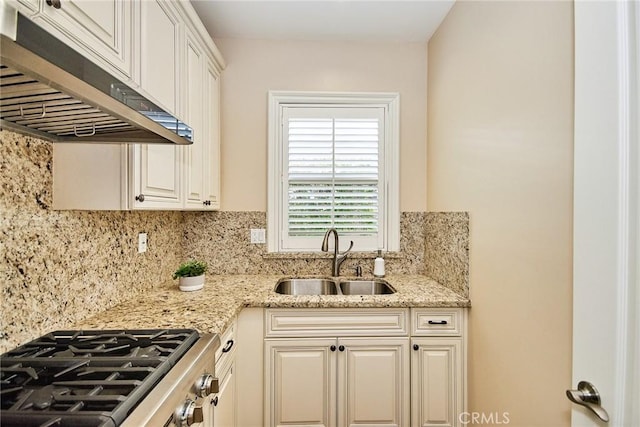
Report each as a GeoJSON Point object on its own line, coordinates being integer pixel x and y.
{"type": "Point", "coordinates": [224, 402]}
{"type": "Point", "coordinates": [337, 381]}
{"type": "Point", "coordinates": [301, 377]}
{"type": "Point", "coordinates": [436, 382]}
{"type": "Point", "coordinates": [354, 367]}
{"type": "Point", "coordinates": [373, 382]}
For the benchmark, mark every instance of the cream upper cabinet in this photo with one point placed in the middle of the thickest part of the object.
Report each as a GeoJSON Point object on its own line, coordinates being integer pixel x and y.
{"type": "Point", "coordinates": [211, 133]}
{"type": "Point", "coordinates": [102, 30]}
{"type": "Point", "coordinates": [202, 112]}
{"type": "Point", "coordinates": [194, 159]}
{"type": "Point", "coordinates": [159, 53]}
{"type": "Point", "coordinates": [178, 67]}
{"type": "Point", "coordinates": [156, 177]}
{"type": "Point", "coordinates": [157, 170]}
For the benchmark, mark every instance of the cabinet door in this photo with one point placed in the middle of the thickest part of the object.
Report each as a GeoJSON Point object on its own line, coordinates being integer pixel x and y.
{"type": "Point", "coordinates": [156, 172]}
{"type": "Point", "coordinates": [301, 379]}
{"type": "Point", "coordinates": [26, 7]}
{"type": "Point", "coordinates": [373, 381]}
{"type": "Point", "coordinates": [195, 153]}
{"type": "Point", "coordinates": [436, 382]}
{"type": "Point", "coordinates": [99, 29]}
{"type": "Point", "coordinates": [159, 53]}
{"type": "Point", "coordinates": [212, 134]}
{"type": "Point", "coordinates": [224, 412]}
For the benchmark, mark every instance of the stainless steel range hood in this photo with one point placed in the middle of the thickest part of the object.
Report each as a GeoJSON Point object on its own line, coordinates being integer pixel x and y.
{"type": "Point", "coordinates": [50, 91]}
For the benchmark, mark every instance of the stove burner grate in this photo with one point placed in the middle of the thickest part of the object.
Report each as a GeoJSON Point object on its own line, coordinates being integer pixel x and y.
{"type": "Point", "coordinates": [67, 378]}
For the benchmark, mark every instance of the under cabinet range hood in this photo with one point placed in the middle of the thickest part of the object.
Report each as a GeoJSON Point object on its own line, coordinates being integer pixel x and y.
{"type": "Point", "coordinates": [50, 91]}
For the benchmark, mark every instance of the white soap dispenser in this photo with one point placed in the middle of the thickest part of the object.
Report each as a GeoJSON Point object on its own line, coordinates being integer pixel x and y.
{"type": "Point", "coordinates": [378, 265]}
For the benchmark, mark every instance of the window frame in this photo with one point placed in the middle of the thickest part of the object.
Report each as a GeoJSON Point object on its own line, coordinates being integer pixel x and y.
{"type": "Point", "coordinates": [390, 212]}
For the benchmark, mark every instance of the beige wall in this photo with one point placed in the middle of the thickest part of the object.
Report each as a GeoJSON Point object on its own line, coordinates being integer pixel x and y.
{"type": "Point", "coordinates": [500, 138]}
{"type": "Point", "coordinates": [255, 66]}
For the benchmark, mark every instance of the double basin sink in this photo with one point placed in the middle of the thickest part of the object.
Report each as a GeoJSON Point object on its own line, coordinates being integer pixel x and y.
{"type": "Point", "coordinates": [333, 286]}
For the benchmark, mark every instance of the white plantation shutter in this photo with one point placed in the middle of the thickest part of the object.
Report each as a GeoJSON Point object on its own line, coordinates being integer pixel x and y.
{"type": "Point", "coordinates": [333, 175]}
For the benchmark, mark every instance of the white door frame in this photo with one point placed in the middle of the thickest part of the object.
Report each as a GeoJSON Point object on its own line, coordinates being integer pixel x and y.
{"type": "Point", "coordinates": [606, 339]}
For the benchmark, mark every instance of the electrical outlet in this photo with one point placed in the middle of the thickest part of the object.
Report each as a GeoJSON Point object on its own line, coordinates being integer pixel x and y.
{"type": "Point", "coordinates": [258, 235]}
{"type": "Point", "coordinates": [142, 243]}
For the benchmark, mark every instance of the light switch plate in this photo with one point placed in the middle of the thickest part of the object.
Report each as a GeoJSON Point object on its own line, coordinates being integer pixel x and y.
{"type": "Point", "coordinates": [258, 235]}
{"type": "Point", "coordinates": [142, 243]}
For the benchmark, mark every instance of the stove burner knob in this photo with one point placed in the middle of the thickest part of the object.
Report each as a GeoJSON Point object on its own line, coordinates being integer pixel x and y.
{"type": "Point", "coordinates": [206, 385]}
{"type": "Point", "coordinates": [188, 414]}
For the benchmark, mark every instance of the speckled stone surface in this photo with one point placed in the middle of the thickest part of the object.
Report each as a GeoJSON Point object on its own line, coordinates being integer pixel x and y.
{"type": "Point", "coordinates": [435, 244]}
{"type": "Point", "coordinates": [58, 267]}
{"type": "Point", "coordinates": [222, 239]}
{"type": "Point", "coordinates": [211, 309]}
{"type": "Point", "coordinates": [447, 250]}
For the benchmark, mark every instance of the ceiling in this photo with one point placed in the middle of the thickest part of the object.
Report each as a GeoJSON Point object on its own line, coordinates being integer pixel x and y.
{"type": "Point", "coordinates": [328, 20]}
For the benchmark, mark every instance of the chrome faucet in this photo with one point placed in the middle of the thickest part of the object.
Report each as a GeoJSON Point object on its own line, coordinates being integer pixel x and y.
{"type": "Point", "coordinates": [338, 258]}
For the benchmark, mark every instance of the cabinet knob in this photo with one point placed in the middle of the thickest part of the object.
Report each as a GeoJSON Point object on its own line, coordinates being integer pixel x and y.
{"type": "Point", "coordinates": [332, 348]}
{"type": "Point", "coordinates": [341, 348]}
{"type": "Point", "coordinates": [416, 347]}
{"type": "Point", "coordinates": [55, 3]}
{"type": "Point", "coordinates": [140, 198]}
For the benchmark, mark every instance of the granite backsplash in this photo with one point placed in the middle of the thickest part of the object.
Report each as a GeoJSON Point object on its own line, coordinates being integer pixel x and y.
{"type": "Point", "coordinates": [59, 267]}
{"type": "Point", "coordinates": [431, 243]}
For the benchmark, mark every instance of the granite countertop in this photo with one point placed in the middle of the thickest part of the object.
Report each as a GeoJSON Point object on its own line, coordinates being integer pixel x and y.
{"type": "Point", "coordinates": [211, 309]}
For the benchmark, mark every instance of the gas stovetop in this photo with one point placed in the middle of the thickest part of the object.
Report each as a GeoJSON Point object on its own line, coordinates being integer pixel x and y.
{"type": "Point", "coordinates": [85, 378]}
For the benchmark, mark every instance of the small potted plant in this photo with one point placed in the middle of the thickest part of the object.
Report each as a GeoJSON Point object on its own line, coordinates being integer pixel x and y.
{"type": "Point", "coordinates": [191, 275]}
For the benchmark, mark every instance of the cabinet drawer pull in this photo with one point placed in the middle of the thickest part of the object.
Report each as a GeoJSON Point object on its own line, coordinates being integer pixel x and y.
{"type": "Point", "coordinates": [227, 348]}
{"type": "Point", "coordinates": [437, 322]}
{"type": "Point", "coordinates": [215, 401]}
{"type": "Point", "coordinates": [55, 3]}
